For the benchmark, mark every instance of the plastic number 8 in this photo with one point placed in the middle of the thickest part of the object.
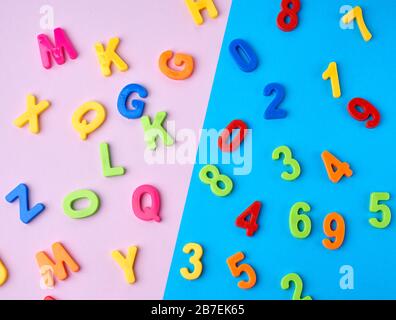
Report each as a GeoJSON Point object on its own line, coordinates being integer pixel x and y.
{"type": "Point", "coordinates": [214, 179]}
{"type": "Point", "coordinates": [291, 12]}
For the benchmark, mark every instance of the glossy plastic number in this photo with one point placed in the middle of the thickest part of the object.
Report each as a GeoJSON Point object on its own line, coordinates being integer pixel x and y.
{"type": "Point", "coordinates": [235, 125]}
{"type": "Point", "coordinates": [335, 168]}
{"type": "Point", "coordinates": [237, 270]}
{"type": "Point", "coordinates": [338, 233]}
{"type": "Point", "coordinates": [288, 19]}
{"type": "Point", "coordinates": [300, 224]}
{"type": "Point", "coordinates": [332, 73]}
{"type": "Point", "coordinates": [195, 260]}
{"type": "Point", "coordinates": [273, 111]}
{"type": "Point", "coordinates": [375, 206]}
{"type": "Point", "coordinates": [211, 175]}
{"type": "Point", "coordinates": [250, 225]}
{"type": "Point", "coordinates": [287, 161]}
{"type": "Point", "coordinates": [244, 55]}
{"type": "Point", "coordinates": [298, 286]}
{"type": "Point", "coordinates": [362, 110]}
{"type": "Point", "coordinates": [357, 13]}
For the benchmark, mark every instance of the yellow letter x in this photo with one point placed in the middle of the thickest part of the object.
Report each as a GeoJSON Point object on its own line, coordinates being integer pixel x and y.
{"type": "Point", "coordinates": [32, 113]}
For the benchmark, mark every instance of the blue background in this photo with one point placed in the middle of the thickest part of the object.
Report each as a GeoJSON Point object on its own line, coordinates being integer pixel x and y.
{"type": "Point", "coordinates": [315, 122]}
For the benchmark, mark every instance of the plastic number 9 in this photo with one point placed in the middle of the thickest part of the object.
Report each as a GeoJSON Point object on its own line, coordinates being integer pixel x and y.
{"type": "Point", "coordinates": [338, 233]}
{"type": "Point", "coordinates": [368, 111]}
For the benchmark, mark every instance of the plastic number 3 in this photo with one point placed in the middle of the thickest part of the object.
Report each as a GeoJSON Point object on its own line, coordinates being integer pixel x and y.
{"type": "Point", "coordinates": [296, 279]}
{"type": "Point", "coordinates": [195, 260]}
{"type": "Point", "coordinates": [375, 206]}
{"type": "Point", "coordinates": [213, 180]}
{"type": "Point", "coordinates": [236, 270]}
{"type": "Point", "coordinates": [287, 161]}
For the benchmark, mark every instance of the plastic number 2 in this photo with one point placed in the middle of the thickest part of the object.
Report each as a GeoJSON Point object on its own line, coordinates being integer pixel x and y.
{"type": "Point", "coordinates": [296, 219]}
{"type": "Point", "coordinates": [236, 270]}
{"type": "Point", "coordinates": [287, 161]}
{"type": "Point", "coordinates": [273, 111]}
{"type": "Point", "coordinates": [195, 260]}
{"type": "Point", "coordinates": [214, 179]}
{"type": "Point", "coordinates": [296, 279]}
{"type": "Point", "coordinates": [375, 206]}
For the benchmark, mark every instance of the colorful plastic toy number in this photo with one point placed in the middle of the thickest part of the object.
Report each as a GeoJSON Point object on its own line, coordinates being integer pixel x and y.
{"type": "Point", "coordinates": [81, 125]}
{"type": "Point", "coordinates": [332, 73]}
{"type": "Point", "coordinates": [287, 19]}
{"type": "Point", "coordinates": [287, 161]}
{"type": "Point", "coordinates": [250, 225]}
{"type": "Point", "coordinates": [68, 204]}
{"type": "Point", "coordinates": [300, 224]}
{"type": "Point", "coordinates": [335, 168]}
{"type": "Point", "coordinates": [235, 125]}
{"type": "Point", "coordinates": [237, 270]}
{"type": "Point", "coordinates": [375, 206]}
{"type": "Point", "coordinates": [210, 175]}
{"type": "Point", "coordinates": [244, 55]}
{"type": "Point", "coordinates": [357, 13]}
{"type": "Point", "coordinates": [195, 260]}
{"type": "Point", "coordinates": [298, 286]}
{"type": "Point", "coordinates": [32, 113]}
{"type": "Point", "coordinates": [338, 233]}
{"type": "Point", "coordinates": [363, 110]}
{"type": "Point", "coordinates": [147, 213]}
{"type": "Point", "coordinates": [273, 111]}
{"type": "Point", "coordinates": [196, 6]}
{"type": "Point", "coordinates": [181, 60]}
{"type": "Point", "coordinates": [138, 105]}
{"type": "Point", "coordinates": [26, 213]}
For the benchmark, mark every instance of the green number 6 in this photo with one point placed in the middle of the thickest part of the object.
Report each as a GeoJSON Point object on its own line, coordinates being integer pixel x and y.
{"type": "Point", "coordinates": [296, 219]}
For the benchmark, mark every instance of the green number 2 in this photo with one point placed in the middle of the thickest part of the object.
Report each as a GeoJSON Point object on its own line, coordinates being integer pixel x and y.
{"type": "Point", "coordinates": [375, 206]}
{"type": "Point", "coordinates": [287, 161]}
{"type": "Point", "coordinates": [296, 279]}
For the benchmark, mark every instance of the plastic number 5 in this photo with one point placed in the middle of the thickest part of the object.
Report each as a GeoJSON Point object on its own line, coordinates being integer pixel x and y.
{"type": "Point", "coordinates": [236, 270]}
{"type": "Point", "coordinates": [375, 206]}
{"type": "Point", "coordinates": [195, 260]}
{"type": "Point", "coordinates": [287, 161]}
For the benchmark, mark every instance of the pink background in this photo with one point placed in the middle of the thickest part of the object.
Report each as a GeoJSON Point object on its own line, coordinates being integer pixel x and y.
{"type": "Point", "coordinates": [56, 162]}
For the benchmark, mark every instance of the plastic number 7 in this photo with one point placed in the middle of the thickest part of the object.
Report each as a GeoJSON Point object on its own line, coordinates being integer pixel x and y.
{"type": "Point", "coordinates": [375, 206]}
{"type": "Point", "coordinates": [236, 270]}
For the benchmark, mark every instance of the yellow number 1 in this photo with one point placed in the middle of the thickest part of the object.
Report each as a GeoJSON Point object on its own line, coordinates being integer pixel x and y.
{"type": "Point", "coordinates": [357, 13]}
{"type": "Point", "coordinates": [332, 73]}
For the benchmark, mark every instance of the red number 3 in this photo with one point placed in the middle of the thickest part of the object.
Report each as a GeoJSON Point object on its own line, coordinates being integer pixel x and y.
{"type": "Point", "coordinates": [363, 110]}
{"type": "Point", "coordinates": [287, 18]}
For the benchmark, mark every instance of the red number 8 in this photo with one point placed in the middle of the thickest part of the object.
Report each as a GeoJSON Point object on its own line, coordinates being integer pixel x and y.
{"type": "Point", "coordinates": [290, 8]}
{"type": "Point", "coordinates": [366, 111]}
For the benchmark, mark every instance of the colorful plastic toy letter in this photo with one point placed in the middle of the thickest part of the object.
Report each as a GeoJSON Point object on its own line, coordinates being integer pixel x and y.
{"type": "Point", "coordinates": [108, 56]}
{"type": "Point", "coordinates": [287, 161]}
{"type": "Point", "coordinates": [236, 270]}
{"type": "Point", "coordinates": [273, 111]}
{"type": "Point", "coordinates": [181, 60]}
{"type": "Point", "coordinates": [298, 286]}
{"type": "Point", "coordinates": [357, 13]}
{"type": "Point", "coordinates": [62, 257]}
{"type": "Point", "coordinates": [147, 213]}
{"type": "Point", "coordinates": [331, 163]}
{"type": "Point", "coordinates": [127, 263]}
{"type": "Point", "coordinates": [108, 169]}
{"type": "Point", "coordinates": [250, 225]}
{"type": "Point", "coordinates": [3, 273]}
{"type": "Point", "coordinates": [82, 126]}
{"type": "Point", "coordinates": [338, 233]}
{"type": "Point", "coordinates": [234, 126]}
{"type": "Point", "coordinates": [214, 180]}
{"type": "Point", "coordinates": [288, 19]}
{"type": "Point", "coordinates": [332, 73]}
{"type": "Point", "coordinates": [244, 55]}
{"type": "Point", "coordinates": [62, 45]}
{"type": "Point", "coordinates": [195, 260]}
{"type": "Point", "coordinates": [195, 7]}
{"type": "Point", "coordinates": [362, 110]}
{"type": "Point", "coordinates": [375, 206]}
{"type": "Point", "coordinates": [32, 113]}
{"type": "Point", "coordinates": [155, 129]}
{"type": "Point", "coordinates": [300, 223]}
{"type": "Point", "coordinates": [138, 105]}
{"type": "Point", "coordinates": [26, 213]}
{"type": "Point", "coordinates": [68, 204]}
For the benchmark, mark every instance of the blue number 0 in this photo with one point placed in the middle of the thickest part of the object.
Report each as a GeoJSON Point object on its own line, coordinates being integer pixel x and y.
{"type": "Point", "coordinates": [273, 111]}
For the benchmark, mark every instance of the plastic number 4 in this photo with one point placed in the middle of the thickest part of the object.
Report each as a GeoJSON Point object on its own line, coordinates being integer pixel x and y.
{"type": "Point", "coordinates": [236, 270]}
{"type": "Point", "coordinates": [375, 206]}
{"type": "Point", "coordinates": [331, 163]}
{"type": "Point", "coordinates": [250, 225]}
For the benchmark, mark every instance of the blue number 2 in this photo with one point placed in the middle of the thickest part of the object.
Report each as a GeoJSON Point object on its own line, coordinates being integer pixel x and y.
{"type": "Point", "coordinates": [273, 111]}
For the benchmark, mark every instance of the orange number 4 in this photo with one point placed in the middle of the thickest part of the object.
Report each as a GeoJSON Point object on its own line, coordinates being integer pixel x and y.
{"type": "Point", "coordinates": [335, 168]}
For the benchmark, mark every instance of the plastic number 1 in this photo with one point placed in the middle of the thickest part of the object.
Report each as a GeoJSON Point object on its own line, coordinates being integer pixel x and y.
{"type": "Point", "coordinates": [357, 13]}
{"type": "Point", "coordinates": [332, 73]}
